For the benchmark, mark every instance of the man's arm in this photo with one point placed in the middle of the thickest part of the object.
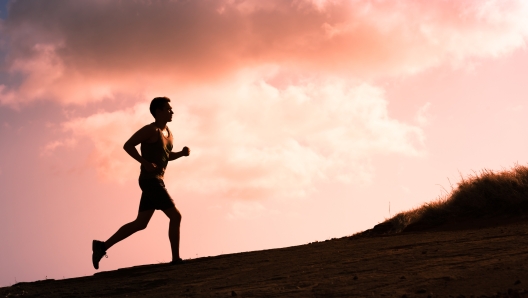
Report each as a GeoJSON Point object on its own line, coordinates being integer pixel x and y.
{"type": "Point", "coordinates": [144, 134]}
{"type": "Point", "coordinates": [175, 155]}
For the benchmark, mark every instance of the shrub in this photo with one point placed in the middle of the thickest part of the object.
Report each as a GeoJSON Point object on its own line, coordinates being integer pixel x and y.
{"type": "Point", "coordinates": [487, 194]}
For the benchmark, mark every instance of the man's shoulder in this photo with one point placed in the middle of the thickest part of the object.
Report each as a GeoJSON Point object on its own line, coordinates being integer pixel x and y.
{"type": "Point", "coordinates": [150, 127]}
{"type": "Point", "coordinates": [148, 131]}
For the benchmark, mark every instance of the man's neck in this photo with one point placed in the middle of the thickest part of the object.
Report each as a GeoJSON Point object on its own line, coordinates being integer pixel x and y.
{"type": "Point", "coordinates": [160, 124]}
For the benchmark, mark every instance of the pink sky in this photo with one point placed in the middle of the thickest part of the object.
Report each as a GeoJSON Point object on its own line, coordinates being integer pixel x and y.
{"type": "Point", "coordinates": [306, 119]}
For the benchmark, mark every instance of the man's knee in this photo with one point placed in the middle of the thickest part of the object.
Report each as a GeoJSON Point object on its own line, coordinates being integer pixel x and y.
{"type": "Point", "coordinates": [175, 216]}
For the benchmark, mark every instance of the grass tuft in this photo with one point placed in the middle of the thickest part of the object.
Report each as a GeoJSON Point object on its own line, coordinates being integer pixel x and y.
{"type": "Point", "coordinates": [481, 196]}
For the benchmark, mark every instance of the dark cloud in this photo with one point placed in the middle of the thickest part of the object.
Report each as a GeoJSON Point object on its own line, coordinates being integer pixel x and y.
{"type": "Point", "coordinates": [114, 45]}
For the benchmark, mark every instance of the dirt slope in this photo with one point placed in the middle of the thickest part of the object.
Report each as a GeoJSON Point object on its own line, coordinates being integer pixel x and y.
{"type": "Point", "coordinates": [478, 262]}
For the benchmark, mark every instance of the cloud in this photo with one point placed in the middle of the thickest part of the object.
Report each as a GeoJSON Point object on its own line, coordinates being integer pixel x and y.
{"type": "Point", "coordinates": [50, 147]}
{"type": "Point", "coordinates": [423, 116]}
{"type": "Point", "coordinates": [271, 96]}
{"type": "Point", "coordinates": [250, 140]}
{"type": "Point", "coordinates": [108, 132]}
{"type": "Point", "coordinates": [246, 210]}
{"type": "Point", "coordinates": [82, 51]}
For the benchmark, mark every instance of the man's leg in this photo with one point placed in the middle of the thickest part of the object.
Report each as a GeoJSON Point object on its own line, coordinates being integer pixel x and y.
{"type": "Point", "coordinates": [174, 231]}
{"type": "Point", "coordinates": [130, 228]}
{"type": "Point", "coordinates": [99, 248]}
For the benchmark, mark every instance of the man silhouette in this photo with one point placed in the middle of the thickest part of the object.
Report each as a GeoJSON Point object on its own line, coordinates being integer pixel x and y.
{"type": "Point", "coordinates": [156, 152]}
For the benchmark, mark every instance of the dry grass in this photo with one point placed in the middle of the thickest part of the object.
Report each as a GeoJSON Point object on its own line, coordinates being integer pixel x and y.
{"type": "Point", "coordinates": [481, 196]}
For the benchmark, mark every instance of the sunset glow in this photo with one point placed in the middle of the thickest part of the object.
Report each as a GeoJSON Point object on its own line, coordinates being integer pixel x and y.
{"type": "Point", "coordinates": [306, 119]}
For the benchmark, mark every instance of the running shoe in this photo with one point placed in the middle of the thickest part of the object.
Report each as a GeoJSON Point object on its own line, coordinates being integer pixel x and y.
{"type": "Point", "coordinates": [98, 252]}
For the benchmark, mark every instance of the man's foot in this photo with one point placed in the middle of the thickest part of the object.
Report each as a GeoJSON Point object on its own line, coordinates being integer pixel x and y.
{"type": "Point", "coordinates": [98, 252]}
{"type": "Point", "coordinates": [176, 262]}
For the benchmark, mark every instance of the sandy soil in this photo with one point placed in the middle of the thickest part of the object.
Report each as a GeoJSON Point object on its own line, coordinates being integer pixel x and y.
{"type": "Point", "coordinates": [466, 263]}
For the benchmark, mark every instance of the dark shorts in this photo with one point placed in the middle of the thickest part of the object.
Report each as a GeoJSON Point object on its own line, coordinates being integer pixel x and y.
{"type": "Point", "coordinates": [154, 196]}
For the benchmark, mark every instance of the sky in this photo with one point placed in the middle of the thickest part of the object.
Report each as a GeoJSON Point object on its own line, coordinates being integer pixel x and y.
{"type": "Point", "coordinates": [307, 119]}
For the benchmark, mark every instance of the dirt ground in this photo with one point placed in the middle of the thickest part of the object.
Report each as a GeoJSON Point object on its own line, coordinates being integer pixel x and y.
{"type": "Point", "coordinates": [489, 262]}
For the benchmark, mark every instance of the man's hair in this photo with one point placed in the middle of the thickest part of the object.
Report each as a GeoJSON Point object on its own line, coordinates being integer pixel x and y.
{"type": "Point", "coordinates": [158, 103]}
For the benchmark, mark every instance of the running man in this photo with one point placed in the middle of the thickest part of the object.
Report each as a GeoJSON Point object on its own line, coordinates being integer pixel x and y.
{"type": "Point", "coordinates": [156, 152]}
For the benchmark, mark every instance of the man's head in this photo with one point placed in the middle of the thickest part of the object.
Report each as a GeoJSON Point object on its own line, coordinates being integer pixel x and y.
{"type": "Point", "coordinates": [158, 103]}
{"type": "Point", "coordinates": [161, 109]}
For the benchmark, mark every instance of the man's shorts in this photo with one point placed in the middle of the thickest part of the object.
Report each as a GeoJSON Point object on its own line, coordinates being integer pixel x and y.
{"type": "Point", "coordinates": [155, 195]}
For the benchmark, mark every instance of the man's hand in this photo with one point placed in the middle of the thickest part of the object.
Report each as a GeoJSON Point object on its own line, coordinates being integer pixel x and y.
{"type": "Point", "coordinates": [149, 166]}
{"type": "Point", "coordinates": [186, 151]}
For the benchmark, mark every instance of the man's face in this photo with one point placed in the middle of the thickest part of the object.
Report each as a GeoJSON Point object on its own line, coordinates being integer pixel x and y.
{"type": "Point", "coordinates": [165, 113]}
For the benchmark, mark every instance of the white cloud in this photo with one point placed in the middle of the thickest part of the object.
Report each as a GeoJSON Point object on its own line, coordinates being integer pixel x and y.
{"type": "Point", "coordinates": [109, 132]}
{"type": "Point", "coordinates": [250, 140]}
{"type": "Point", "coordinates": [50, 147]}
{"type": "Point", "coordinates": [423, 116]}
{"type": "Point", "coordinates": [246, 210]}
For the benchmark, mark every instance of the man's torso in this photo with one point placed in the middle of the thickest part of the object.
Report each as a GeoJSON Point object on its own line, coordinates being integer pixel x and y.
{"type": "Point", "coordinates": [157, 152]}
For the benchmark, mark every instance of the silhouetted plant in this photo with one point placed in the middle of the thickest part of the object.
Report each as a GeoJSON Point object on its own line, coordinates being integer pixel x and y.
{"type": "Point", "coordinates": [482, 195]}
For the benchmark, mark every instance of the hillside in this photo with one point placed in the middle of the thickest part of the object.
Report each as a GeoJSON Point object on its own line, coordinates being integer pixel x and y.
{"type": "Point", "coordinates": [472, 243]}
{"type": "Point", "coordinates": [463, 263]}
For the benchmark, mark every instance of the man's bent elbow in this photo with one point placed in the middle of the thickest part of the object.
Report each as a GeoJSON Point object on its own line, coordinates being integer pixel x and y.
{"type": "Point", "coordinates": [127, 146]}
